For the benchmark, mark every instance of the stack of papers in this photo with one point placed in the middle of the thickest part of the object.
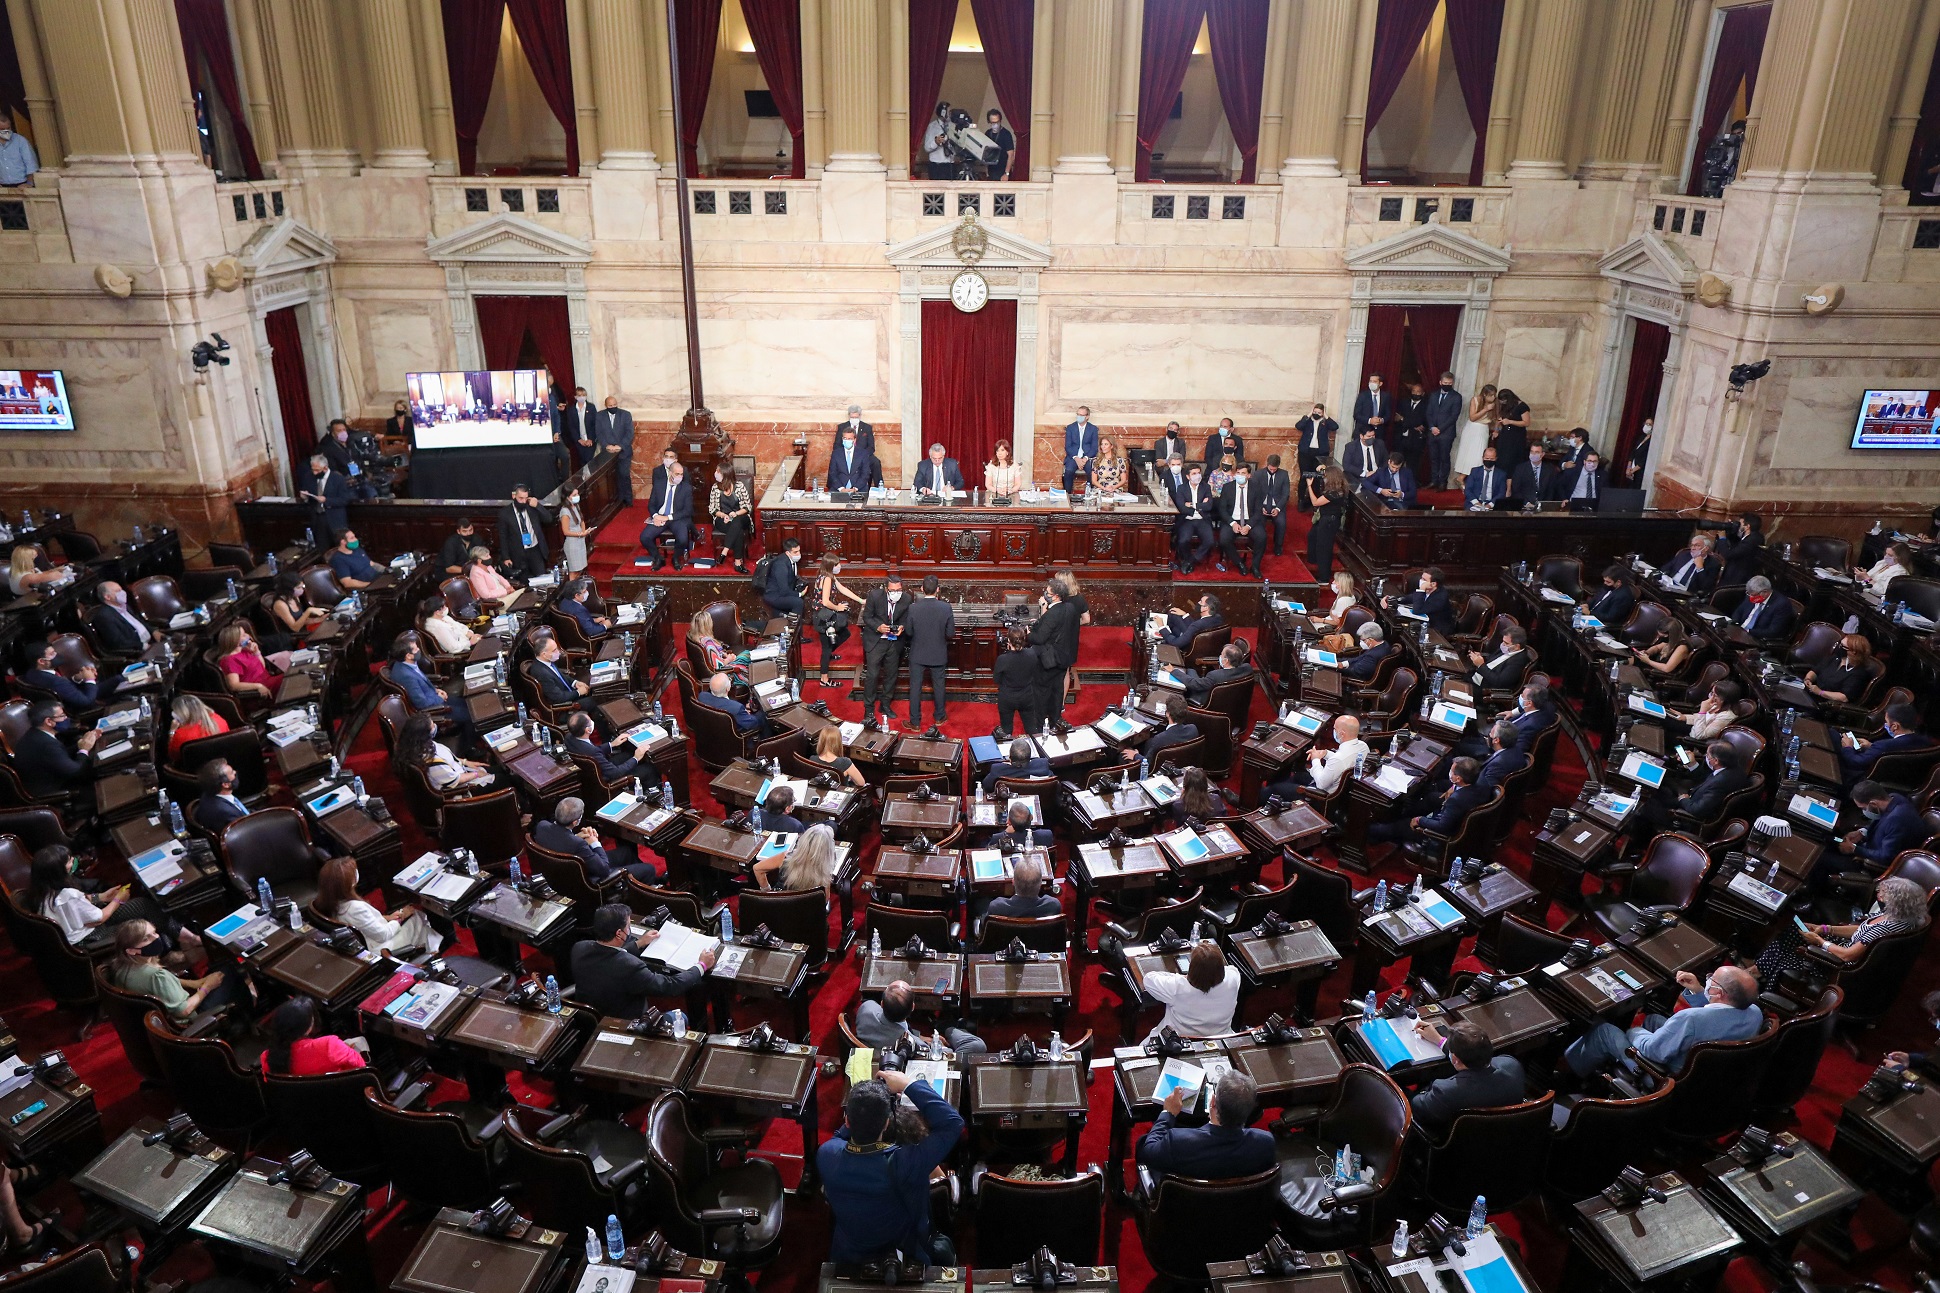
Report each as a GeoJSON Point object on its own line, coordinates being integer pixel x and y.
{"type": "Point", "coordinates": [290, 733]}
{"type": "Point", "coordinates": [1439, 910]}
{"type": "Point", "coordinates": [303, 656]}
{"type": "Point", "coordinates": [1757, 891]}
{"type": "Point", "coordinates": [1185, 845]}
{"type": "Point", "coordinates": [1179, 1075]}
{"type": "Point", "coordinates": [645, 734]}
{"type": "Point", "coordinates": [618, 806]}
{"type": "Point", "coordinates": [1301, 720]}
{"type": "Point", "coordinates": [1643, 769]}
{"type": "Point", "coordinates": [1560, 598]}
{"type": "Point", "coordinates": [504, 738]}
{"type": "Point", "coordinates": [116, 721]}
{"type": "Point", "coordinates": [678, 947]}
{"type": "Point", "coordinates": [766, 651]}
{"type": "Point", "coordinates": [1319, 657]}
{"type": "Point", "coordinates": [425, 867]}
{"type": "Point", "coordinates": [1395, 1042]}
{"type": "Point", "coordinates": [989, 865]}
{"type": "Point", "coordinates": [1645, 705]}
{"type": "Point", "coordinates": [1162, 789]}
{"type": "Point", "coordinates": [423, 1005]}
{"type": "Point", "coordinates": [629, 613]}
{"type": "Point", "coordinates": [1394, 779]}
{"type": "Point", "coordinates": [1118, 727]}
{"type": "Point", "coordinates": [1454, 717]}
{"type": "Point", "coordinates": [161, 867]}
{"type": "Point", "coordinates": [604, 671]}
{"type": "Point", "coordinates": [1612, 804]}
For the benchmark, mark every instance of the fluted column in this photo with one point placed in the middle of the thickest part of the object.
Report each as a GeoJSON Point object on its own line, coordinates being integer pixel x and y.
{"type": "Point", "coordinates": [1673, 161]}
{"type": "Point", "coordinates": [391, 75]}
{"type": "Point", "coordinates": [162, 74]}
{"type": "Point", "coordinates": [1313, 126]}
{"type": "Point", "coordinates": [1044, 118]}
{"type": "Point", "coordinates": [815, 114]}
{"type": "Point", "coordinates": [1083, 87]}
{"type": "Point", "coordinates": [896, 152]}
{"type": "Point", "coordinates": [1621, 47]}
{"type": "Point", "coordinates": [586, 114]}
{"type": "Point", "coordinates": [85, 71]}
{"type": "Point", "coordinates": [660, 81]}
{"type": "Point", "coordinates": [308, 72]}
{"type": "Point", "coordinates": [851, 60]}
{"type": "Point", "coordinates": [434, 74]}
{"type": "Point", "coordinates": [33, 78]}
{"type": "Point", "coordinates": [1906, 115]}
{"type": "Point", "coordinates": [1353, 127]}
{"type": "Point", "coordinates": [1507, 94]}
{"type": "Point", "coordinates": [622, 72]}
{"type": "Point", "coordinates": [1543, 122]}
{"type": "Point", "coordinates": [1129, 66]}
{"type": "Point", "coordinates": [1282, 21]}
{"type": "Point", "coordinates": [1843, 126]}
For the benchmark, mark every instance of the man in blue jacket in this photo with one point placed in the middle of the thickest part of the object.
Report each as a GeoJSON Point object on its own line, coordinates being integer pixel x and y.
{"type": "Point", "coordinates": [851, 467]}
{"type": "Point", "coordinates": [1858, 755]}
{"type": "Point", "coordinates": [1487, 483]}
{"type": "Point", "coordinates": [878, 1191]}
{"type": "Point", "coordinates": [573, 605]}
{"type": "Point", "coordinates": [1764, 614]}
{"type": "Point", "coordinates": [1219, 1151]}
{"type": "Point", "coordinates": [1463, 798]}
{"type": "Point", "coordinates": [1394, 484]}
{"type": "Point", "coordinates": [1020, 762]}
{"type": "Point", "coordinates": [716, 697]}
{"type": "Point", "coordinates": [783, 595]}
{"type": "Point", "coordinates": [1080, 448]}
{"type": "Point", "coordinates": [672, 513]}
{"type": "Point", "coordinates": [1721, 1009]}
{"type": "Point", "coordinates": [1893, 825]}
{"type": "Point", "coordinates": [421, 694]}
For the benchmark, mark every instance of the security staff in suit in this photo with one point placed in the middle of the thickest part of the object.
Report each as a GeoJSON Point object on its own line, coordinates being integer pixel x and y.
{"type": "Point", "coordinates": [576, 426]}
{"type": "Point", "coordinates": [783, 595]}
{"type": "Point", "coordinates": [1486, 483]}
{"type": "Point", "coordinates": [1445, 413]}
{"type": "Point", "coordinates": [1375, 648]}
{"type": "Point", "coordinates": [1019, 761]}
{"type": "Point", "coordinates": [115, 627]}
{"type": "Point", "coordinates": [851, 467]}
{"type": "Point", "coordinates": [1633, 471]}
{"type": "Point", "coordinates": [1763, 614]}
{"type": "Point", "coordinates": [1233, 667]}
{"type": "Point", "coordinates": [1240, 522]}
{"type": "Point", "coordinates": [1858, 755]}
{"type": "Point", "coordinates": [582, 740]}
{"type": "Point", "coordinates": [1177, 730]}
{"type": "Point", "coordinates": [1505, 669]}
{"type": "Point", "coordinates": [937, 474]}
{"type": "Point", "coordinates": [1724, 777]}
{"type": "Point", "coordinates": [1429, 600]}
{"type": "Point", "coordinates": [1617, 600]}
{"type": "Point", "coordinates": [1080, 448]}
{"type": "Point", "coordinates": [613, 433]}
{"type": "Point", "coordinates": [1373, 408]}
{"type": "Point", "coordinates": [1315, 442]}
{"type": "Point", "coordinates": [1411, 411]}
{"type": "Point", "coordinates": [1363, 458]}
{"type": "Point", "coordinates": [522, 535]}
{"type": "Point", "coordinates": [884, 613]}
{"type": "Point", "coordinates": [1274, 486]}
{"type": "Point", "coordinates": [1222, 442]}
{"type": "Point", "coordinates": [1055, 637]}
{"type": "Point", "coordinates": [610, 975]}
{"type": "Point", "coordinates": [1463, 798]}
{"type": "Point", "coordinates": [1738, 548]}
{"type": "Point", "coordinates": [330, 494]}
{"type": "Point", "coordinates": [564, 834]}
{"type": "Point", "coordinates": [1534, 480]}
{"type": "Point", "coordinates": [1169, 446]}
{"type": "Point", "coordinates": [865, 436]}
{"type": "Point", "coordinates": [1222, 1149]}
{"type": "Point", "coordinates": [930, 623]}
{"type": "Point", "coordinates": [1197, 509]}
{"type": "Point", "coordinates": [671, 512]}
{"type": "Point", "coordinates": [1482, 1079]}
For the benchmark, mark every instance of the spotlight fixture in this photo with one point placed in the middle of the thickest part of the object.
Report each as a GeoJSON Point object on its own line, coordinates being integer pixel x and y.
{"type": "Point", "coordinates": [213, 351]}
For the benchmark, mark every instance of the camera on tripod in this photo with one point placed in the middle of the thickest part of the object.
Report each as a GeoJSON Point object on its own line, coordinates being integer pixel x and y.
{"type": "Point", "coordinates": [976, 156]}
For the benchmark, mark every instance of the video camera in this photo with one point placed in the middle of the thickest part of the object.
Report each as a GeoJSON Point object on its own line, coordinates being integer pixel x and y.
{"type": "Point", "coordinates": [973, 150]}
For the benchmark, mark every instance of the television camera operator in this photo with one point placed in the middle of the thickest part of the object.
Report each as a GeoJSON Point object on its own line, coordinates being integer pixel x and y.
{"type": "Point", "coordinates": [958, 149]}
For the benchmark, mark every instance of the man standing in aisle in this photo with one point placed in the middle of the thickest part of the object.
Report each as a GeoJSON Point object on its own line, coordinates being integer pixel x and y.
{"type": "Point", "coordinates": [930, 624]}
{"type": "Point", "coordinates": [1446, 409]}
{"type": "Point", "coordinates": [576, 426]}
{"type": "Point", "coordinates": [522, 534]}
{"type": "Point", "coordinates": [613, 433]}
{"type": "Point", "coordinates": [884, 614]}
{"type": "Point", "coordinates": [1055, 637]}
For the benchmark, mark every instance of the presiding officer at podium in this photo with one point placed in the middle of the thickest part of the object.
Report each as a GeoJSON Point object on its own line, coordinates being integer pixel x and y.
{"type": "Point", "coordinates": [878, 1190]}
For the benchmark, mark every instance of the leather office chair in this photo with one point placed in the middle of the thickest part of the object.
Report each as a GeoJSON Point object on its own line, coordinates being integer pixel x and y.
{"type": "Point", "coordinates": [1521, 946]}
{"type": "Point", "coordinates": [35, 828]}
{"type": "Point", "coordinates": [1920, 595]}
{"type": "Point", "coordinates": [458, 595]}
{"type": "Point", "coordinates": [16, 865]}
{"type": "Point", "coordinates": [487, 824]}
{"type": "Point", "coordinates": [1853, 893]}
{"type": "Point", "coordinates": [391, 715]}
{"type": "Point", "coordinates": [1476, 610]}
{"type": "Point", "coordinates": [1597, 1138]}
{"type": "Point", "coordinates": [1487, 637]}
{"type": "Point", "coordinates": [1907, 769]}
{"type": "Point", "coordinates": [796, 915]}
{"type": "Point", "coordinates": [1040, 934]}
{"type": "Point", "coordinates": [1745, 802]}
{"type": "Point", "coordinates": [716, 740]}
{"type": "Point", "coordinates": [1700, 684]}
{"type": "Point", "coordinates": [1872, 983]}
{"type": "Point", "coordinates": [1713, 1090]}
{"type": "Point", "coordinates": [685, 680]}
{"type": "Point", "coordinates": [157, 599]}
{"type": "Point", "coordinates": [274, 844]}
{"type": "Point", "coordinates": [566, 873]}
{"type": "Point", "coordinates": [1748, 742]}
{"type": "Point", "coordinates": [438, 1158]}
{"type": "Point", "coordinates": [897, 925]}
{"type": "Point", "coordinates": [1178, 914]}
{"type": "Point", "coordinates": [1186, 754]}
{"type": "Point", "coordinates": [241, 746]}
{"type": "Point", "coordinates": [1824, 550]}
{"type": "Point", "coordinates": [125, 1012]}
{"type": "Point", "coordinates": [1324, 896]}
{"type": "Point", "coordinates": [551, 1156]}
{"type": "Point", "coordinates": [327, 1114]}
{"type": "Point", "coordinates": [1497, 1153]}
{"type": "Point", "coordinates": [1202, 649]}
{"type": "Point", "coordinates": [942, 783]}
{"type": "Point", "coordinates": [728, 1214]}
{"type": "Point", "coordinates": [1234, 699]}
{"type": "Point", "coordinates": [1184, 1224]}
{"type": "Point", "coordinates": [646, 899]}
{"type": "Point", "coordinates": [224, 1096]}
{"type": "Point", "coordinates": [15, 722]}
{"type": "Point", "coordinates": [240, 555]}
{"type": "Point", "coordinates": [82, 1270]}
{"type": "Point", "coordinates": [1387, 706]}
{"type": "Point", "coordinates": [1815, 645]}
{"type": "Point", "coordinates": [1471, 837]}
{"type": "Point", "coordinates": [66, 971]}
{"type": "Point", "coordinates": [1640, 630]}
{"type": "Point", "coordinates": [1243, 908]}
{"type": "Point", "coordinates": [320, 583]}
{"type": "Point", "coordinates": [1016, 1216]}
{"type": "Point", "coordinates": [1369, 1112]}
{"type": "Point", "coordinates": [527, 689]}
{"type": "Point", "coordinates": [1563, 573]}
{"type": "Point", "coordinates": [727, 623]}
{"type": "Point", "coordinates": [1669, 878]}
{"type": "Point", "coordinates": [1794, 1058]}
{"type": "Point", "coordinates": [425, 804]}
{"type": "Point", "coordinates": [1216, 734]}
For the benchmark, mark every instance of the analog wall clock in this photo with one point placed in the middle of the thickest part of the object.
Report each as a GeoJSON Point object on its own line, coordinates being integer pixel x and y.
{"type": "Point", "coordinates": [968, 291]}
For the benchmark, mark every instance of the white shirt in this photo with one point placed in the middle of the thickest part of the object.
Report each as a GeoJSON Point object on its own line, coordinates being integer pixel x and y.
{"type": "Point", "coordinates": [1190, 1012]}
{"type": "Point", "coordinates": [1683, 577]}
{"type": "Point", "coordinates": [451, 636]}
{"type": "Point", "coordinates": [1885, 572]}
{"type": "Point", "coordinates": [1343, 603]}
{"type": "Point", "coordinates": [74, 912]}
{"type": "Point", "coordinates": [1336, 764]}
{"type": "Point", "coordinates": [141, 630]}
{"type": "Point", "coordinates": [380, 933]}
{"type": "Point", "coordinates": [933, 146]}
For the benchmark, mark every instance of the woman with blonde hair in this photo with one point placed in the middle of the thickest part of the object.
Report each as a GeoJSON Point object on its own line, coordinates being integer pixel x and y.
{"type": "Point", "coordinates": [828, 756]}
{"type": "Point", "coordinates": [1108, 469]}
{"type": "Point", "coordinates": [1001, 476]}
{"type": "Point", "coordinates": [1473, 438]}
{"type": "Point", "coordinates": [1845, 682]}
{"type": "Point", "coordinates": [24, 573]}
{"type": "Point", "coordinates": [809, 864]}
{"type": "Point", "coordinates": [1902, 909]}
{"type": "Point", "coordinates": [487, 583]}
{"type": "Point", "coordinates": [1345, 600]}
{"type": "Point", "coordinates": [720, 658]}
{"type": "Point", "coordinates": [191, 720]}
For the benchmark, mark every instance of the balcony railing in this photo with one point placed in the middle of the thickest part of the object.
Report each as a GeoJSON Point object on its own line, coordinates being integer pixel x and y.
{"type": "Point", "coordinates": [1378, 211]}
{"type": "Point", "coordinates": [1221, 215]}
{"type": "Point", "coordinates": [244, 206]}
{"type": "Point", "coordinates": [33, 229]}
{"type": "Point", "coordinates": [916, 206]}
{"type": "Point", "coordinates": [554, 201]}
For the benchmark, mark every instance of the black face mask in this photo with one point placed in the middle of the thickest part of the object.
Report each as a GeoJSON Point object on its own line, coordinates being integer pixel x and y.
{"type": "Point", "coordinates": [156, 947]}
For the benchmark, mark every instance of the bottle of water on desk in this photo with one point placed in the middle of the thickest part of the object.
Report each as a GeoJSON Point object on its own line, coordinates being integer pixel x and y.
{"type": "Point", "coordinates": [176, 826]}
{"type": "Point", "coordinates": [615, 1240]}
{"type": "Point", "coordinates": [875, 942]}
{"type": "Point", "coordinates": [522, 718]}
{"type": "Point", "coordinates": [553, 1003]}
{"type": "Point", "coordinates": [666, 793]}
{"type": "Point", "coordinates": [515, 872]}
{"type": "Point", "coordinates": [265, 900]}
{"type": "Point", "coordinates": [658, 712]}
{"type": "Point", "coordinates": [1380, 904]}
{"type": "Point", "coordinates": [1478, 1216]}
{"type": "Point", "coordinates": [269, 563]}
{"type": "Point", "coordinates": [357, 789]}
{"type": "Point", "coordinates": [147, 710]}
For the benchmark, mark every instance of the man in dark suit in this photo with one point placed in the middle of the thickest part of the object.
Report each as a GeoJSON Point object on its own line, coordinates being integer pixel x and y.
{"type": "Point", "coordinates": [1274, 486]}
{"type": "Point", "coordinates": [1080, 448]}
{"type": "Point", "coordinates": [1169, 446]}
{"type": "Point", "coordinates": [1375, 648]}
{"type": "Point", "coordinates": [1055, 636]}
{"type": "Point", "coordinates": [1222, 442]}
{"type": "Point", "coordinates": [930, 624]}
{"type": "Point", "coordinates": [1633, 472]}
{"type": "Point", "coordinates": [522, 535]}
{"type": "Point", "coordinates": [937, 474]}
{"type": "Point", "coordinates": [582, 741]}
{"type": "Point", "coordinates": [1534, 480]}
{"type": "Point", "coordinates": [576, 426]}
{"type": "Point", "coordinates": [1445, 412]}
{"type": "Point", "coordinates": [1616, 602]}
{"type": "Point", "coordinates": [778, 813]}
{"type": "Point", "coordinates": [1482, 1079]}
{"type": "Point", "coordinates": [1026, 899]}
{"type": "Point", "coordinates": [884, 612]}
{"type": "Point", "coordinates": [557, 687]}
{"type": "Point", "coordinates": [1723, 777]}
{"type": "Point", "coordinates": [1893, 825]}
{"type": "Point", "coordinates": [78, 688]}
{"type": "Point", "coordinates": [1171, 473]}
{"type": "Point", "coordinates": [1430, 601]}
{"type": "Point", "coordinates": [1197, 509]}
{"type": "Point", "coordinates": [1738, 548]}
{"type": "Point", "coordinates": [1362, 458]}
{"type": "Point", "coordinates": [421, 694]}
{"type": "Point", "coordinates": [1233, 667]}
{"type": "Point", "coordinates": [45, 766]}
{"type": "Point", "coordinates": [1579, 448]}
{"type": "Point", "coordinates": [329, 494]}
{"type": "Point", "coordinates": [1240, 523]}
{"type": "Point", "coordinates": [1582, 484]}
{"type": "Point", "coordinates": [851, 467]}
{"type": "Point", "coordinates": [1764, 614]}
{"type": "Point", "coordinates": [1219, 1151]}
{"type": "Point", "coordinates": [672, 512]}
{"type": "Point", "coordinates": [1315, 438]}
{"type": "Point", "coordinates": [1018, 762]}
{"type": "Point", "coordinates": [1858, 755]}
{"type": "Point", "coordinates": [865, 434]}
{"type": "Point", "coordinates": [1394, 484]}
{"type": "Point", "coordinates": [217, 805]}
{"type": "Point", "coordinates": [1505, 669]}
{"type": "Point", "coordinates": [1528, 718]}
{"type": "Point", "coordinates": [1504, 759]}
{"type": "Point", "coordinates": [1181, 625]}
{"type": "Point", "coordinates": [573, 606]}
{"type": "Point", "coordinates": [1486, 483]}
{"type": "Point", "coordinates": [1411, 412]}
{"type": "Point", "coordinates": [1693, 570]}
{"type": "Point", "coordinates": [783, 595]}
{"type": "Point", "coordinates": [564, 834]}
{"type": "Point", "coordinates": [115, 627]}
{"type": "Point", "coordinates": [1177, 731]}
{"type": "Point", "coordinates": [613, 433]}
{"type": "Point", "coordinates": [456, 551]}
{"type": "Point", "coordinates": [609, 974]}
{"type": "Point", "coordinates": [1373, 408]}
{"type": "Point", "coordinates": [716, 697]}
{"type": "Point", "coordinates": [1463, 797]}
{"type": "Point", "coordinates": [668, 457]}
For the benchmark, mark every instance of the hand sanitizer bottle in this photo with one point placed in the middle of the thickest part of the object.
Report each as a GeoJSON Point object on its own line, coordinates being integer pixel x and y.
{"type": "Point", "coordinates": [1399, 1248]}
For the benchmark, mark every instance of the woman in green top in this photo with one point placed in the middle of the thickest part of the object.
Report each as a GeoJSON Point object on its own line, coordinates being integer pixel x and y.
{"type": "Point", "coordinates": [137, 967]}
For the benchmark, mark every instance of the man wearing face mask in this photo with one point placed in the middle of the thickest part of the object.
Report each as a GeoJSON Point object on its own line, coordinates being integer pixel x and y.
{"type": "Point", "coordinates": [354, 570]}
{"type": "Point", "coordinates": [18, 161]}
{"type": "Point", "coordinates": [1614, 604]}
{"type": "Point", "coordinates": [613, 433]}
{"type": "Point", "coordinates": [1446, 409]}
{"type": "Point", "coordinates": [1363, 458]}
{"type": "Point", "coordinates": [1723, 777]}
{"type": "Point", "coordinates": [1765, 616]}
{"type": "Point", "coordinates": [1430, 601]}
{"type": "Point", "coordinates": [672, 513]}
{"type": "Point", "coordinates": [850, 467]}
{"type": "Point", "coordinates": [1080, 448]}
{"type": "Point", "coordinates": [1857, 756]}
{"type": "Point", "coordinates": [115, 627]}
{"type": "Point", "coordinates": [1169, 446]}
{"type": "Point", "coordinates": [1486, 484]}
{"type": "Point", "coordinates": [865, 439]}
{"type": "Point", "coordinates": [557, 687]}
{"type": "Point", "coordinates": [1582, 484]}
{"type": "Point", "coordinates": [1720, 1009]}
{"type": "Point", "coordinates": [1534, 480]}
{"type": "Point", "coordinates": [1373, 407]}
{"type": "Point", "coordinates": [336, 447]}
{"type": "Point", "coordinates": [883, 615]}
{"type": "Point", "coordinates": [421, 694]}
{"type": "Point", "coordinates": [218, 805]}
{"type": "Point", "coordinates": [1316, 434]}
{"type": "Point", "coordinates": [1633, 472]}
{"type": "Point", "coordinates": [574, 605]}
{"type": "Point", "coordinates": [1893, 825]}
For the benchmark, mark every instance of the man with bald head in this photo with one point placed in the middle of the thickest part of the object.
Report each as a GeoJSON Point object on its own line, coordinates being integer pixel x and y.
{"type": "Point", "coordinates": [882, 1024]}
{"type": "Point", "coordinates": [1720, 1009]}
{"type": "Point", "coordinates": [115, 626]}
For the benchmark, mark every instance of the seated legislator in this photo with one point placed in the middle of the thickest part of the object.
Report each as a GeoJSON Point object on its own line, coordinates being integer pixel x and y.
{"type": "Point", "coordinates": [882, 1024]}
{"type": "Point", "coordinates": [418, 747]}
{"type": "Point", "coordinates": [487, 584]}
{"type": "Point", "coordinates": [716, 697]}
{"type": "Point", "coordinates": [1857, 755]}
{"type": "Point", "coordinates": [609, 974]}
{"type": "Point", "coordinates": [407, 672]}
{"type": "Point", "coordinates": [296, 1050]}
{"type": "Point", "coordinates": [557, 687]}
{"type": "Point", "coordinates": [1720, 1009]}
{"type": "Point", "coordinates": [851, 466]}
{"type": "Point", "coordinates": [670, 512]}
{"type": "Point", "coordinates": [937, 474]}
{"type": "Point", "coordinates": [1324, 769]}
{"type": "Point", "coordinates": [574, 606]}
{"type": "Point", "coordinates": [1180, 625]}
{"type": "Point", "coordinates": [1429, 601]}
{"type": "Point", "coordinates": [1897, 561]}
{"type": "Point", "coordinates": [827, 755]}
{"type": "Point", "coordinates": [1199, 1003]}
{"type": "Point", "coordinates": [877, 1183]}
{"type": "Point", "coordinates": [217, 805]}
{"type": "Point", "coordinates": [1533, 480]}
{"type": "Point", "coordinates": [1693, 570]}
{"type": "Point", "coordinates": [783, 595]}
{"type": "Point", "coordinates": [1487, 484]}
{"type": "Point", "coordinates": [1240, 523]}
{"type": "Point", "coordinates": [1582, 484]}
{"type": "Point", "coordinates": [1763, 614]}
{"type": "Point", "coordinates": [1482, 1079]}
{"type": "Point", "coordinates": [1724, 775]}
{"type": "Point", "coordinates": [1019, 835]}
{"type": "Point", "coordinates": [1026, 899]}
{"type": "Point", "coordinates": [1197, 509]}
{"type": "Point", "coordinates": [1177, 729]}
{"type": "Point", "coordinates": [405, 929]}
{"type": "Point", "coordinates": [717, 655]}
{"type": "Point", "coordinates": [191, 720]}
{"type": "Point", "coordinates": [778, 813]}
{"type": "Point", "coordinates": [810, 862]}
{"type": "Point", "coordinates": [1375, 648]}
{"type": "Point", "coordinates": [435, 622]}
{"type": "Point", "coordinates": [1199, 800]}
{"type": "Point", "coordinates": [1714, 713]}
{"type": "Point", "coordinates": [564, 834]}
{"type": "Point", "coordinates": [1614, 604]}
{"type": "Point", "coordinates": [1020, 760]}
{"type": "Point", "coordinates": [582, 740]}
{"type": "Point", "coordinates": [1899, 907]}
{"type": "Point", "coordinates": [1462, 798]}
{"type": "Point", "coordinates": [1233, 667]}
{"type": "Point", "coordinates": [1219, 1151]}
{"type": "Point", "coordinates": [351, 565]}
{"type": "Point", "coordinates": [137, 967]}
{"type": "Point", "coordinates": [1529, 716]}
{"type": "Point", "coordinates": [1893, 825]}
{"type": "Point", "coordinates": [1393, 484]}
{"type": "Point", "coordinates": [76, 688]}
{"type": "Point", "coordinates": [1845, 680]}
{"type": "Point", "coordinates": [46, 767]}
{"type": "Point", "coordinates": [1002, 478]}
{"type": "Point", "coordinates": [1504, 669]}
{"type": "Point", "coordinates": [115, 627]}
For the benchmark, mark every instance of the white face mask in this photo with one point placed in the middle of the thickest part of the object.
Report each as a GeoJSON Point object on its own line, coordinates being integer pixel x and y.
{"type": "Point", "coordinates": [574, 500]}
{"type": "Point", "coordinates": [1374, 386]}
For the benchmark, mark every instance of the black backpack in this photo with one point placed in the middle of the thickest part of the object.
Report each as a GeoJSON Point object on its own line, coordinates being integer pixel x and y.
{"type": "Point", "coordinates": [758, 578]}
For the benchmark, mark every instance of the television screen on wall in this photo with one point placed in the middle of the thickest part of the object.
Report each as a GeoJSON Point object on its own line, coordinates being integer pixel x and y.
{"type": "Point", "coordinates": [1898, 420]}
{"type": "Point", "coordinates": [480, 410]}
{"type": "Point", "coordinates": [34, 399]}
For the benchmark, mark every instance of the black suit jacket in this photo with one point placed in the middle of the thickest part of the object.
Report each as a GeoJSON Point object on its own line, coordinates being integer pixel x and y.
{"type": "Point", "coordinates": [1321, 433]}
{"type": "Point", "coordinates": [1740, 556]}
{"type": "Point", "coordinates": [1017, 674]}
{"type": "Point", "coordinates": [616, 982]}
{"type": "Point", "coordinates": [842, 476]}
{"type": "Point", "coordinates": [551, 835]}
{"type": "Point", "coordinates": [508, 530]}
{"type": "Point", "coordinates": [877, 614]}
{"type": "Point", "coordinates": [1361, 668]}
{"type": "Point", "coordinates": [1359, 461]}
{"type": "Point", "coordinates": [555, 683]}
{"type": "Point", "coordinates": [116, 634]}
{"type": "Point", "coordinates": [212, 813]}
{"type": "Point", "coordinates": [1199, 688]}
{"type": "Point", "coordinates": [1708, 796]}
{"type": "Point", "coordinates": [865, 438]}
{"type": "Point", "coordinates": [1229, 502]}
{"type": "Point", "coordinates": [1436, 607]}
{"type": "Point", "coordinates": [1207, 1153]}
{"type": "Point", "coordinates": [1175, 734]}
{"type": "Point", "coordinates": [1275, 487]}
{"type": "Point", "coordinates": [678, 502]}
{"type": "Point", "coordinates": [1566, 482]}
{"type": "Point", "coordinates": [1613, 605]}
{"type": "Point", "coordinates": [1446, 408]}
{"type": "Point", "coordinates": [926, 475]}
{"type": "Point", "coordinates": [602, 757]}
{"type": "Point", "coordinates": [1500, 766]}
{"type": "Point", "coordinates": [931, 622]}
{"type": "Point", "coordinates": [1775, 617]}
{"type": "Point", "coordinates": [1454, 810]}
{"type": "Point", "coordinates": [1368, 406]}
{"type": "Point", "coordinates": [1529, 486]}
{"type": "Point", "coordinates": [1501, 1083]}
{"type": "Point", "coordinates": [1501, 677]}
{"type": "Point", "coordinates": [1217, 449]}
{"type": "Point", "coordinates": [1164, 449]}
{"type": "Point", "coordinates": [47, 767]}
{"type": "Point", "coordinates": [1057, 628]}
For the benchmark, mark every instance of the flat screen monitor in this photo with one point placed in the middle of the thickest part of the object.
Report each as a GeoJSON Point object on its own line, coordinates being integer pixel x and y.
{"type": "Point", "coordinates": [1898, 420]}
{"type": "Point", "coordinates": [34, 399]}
{"type": "Point", "coordinates": [480, 410]}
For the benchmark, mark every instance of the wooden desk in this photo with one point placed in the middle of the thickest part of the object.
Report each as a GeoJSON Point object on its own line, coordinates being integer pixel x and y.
{"type": "Point", "coordinates": [1485, 898]}
{"type": "Point", "coordinates": [919, 879]}
{"type": "Point", "coordinates": [1045, 1096]}
{"type": "Point", "coordinates": [904, 816]}
{"type": "Point", "coordinates": [506, 1036]}
{"type": "Point", "coordinates": [157, 1187]}
{"type": "Point", "coordinates": [1471, 547]}
{"type": "Point", "coordinates": [1130, 872]}
{"type": "Point", "coordinates": [334, 979]}
{"type": "Point", "coordinates": [1040, 986]}
{"type": "Point", "coordinates": [935, 982]}
{"type": "Point", "coordinates": [450, 1255]}
{"type": "Point", "coordinates": [1223, 853]}
{"type": "Point", "coordinates": [1295, 827]}
{"type": "Point", "coordinates": [1325, 1273]}
{"type": "Point", "coordinates": [528, 921]}
{"type": "Point", "coordinates": [1680, 945]}
{"type": "Point", "coordinates": [616, 1059]}
{"type": "Point", "coordinates": [764, 974]}
{"type": "Point", "coordinates": [1683, 1242]}
{"type": "Point", "coordinates": [766, 1083]}
{"type": "Point", "coordinates": [1267, 759]}
{"type": "Point", "coordinates": [921, 754]}
{"type": "Point", "coordinates": [1576, 993]}
{"type": "Point", "coordinates": [722, 847]}
{"type": "Point", "coordinates": [1130, 809]}
{"type": "Point", "coordinates": [287, 1229]}
{"type": "Point", "coordinates": [1302, 955]}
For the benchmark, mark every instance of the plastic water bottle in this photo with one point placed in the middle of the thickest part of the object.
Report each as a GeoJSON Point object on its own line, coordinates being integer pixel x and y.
{"type": "Point", "coordinates": [230, 588]}
{"type": "Point", "coordinates": [875, 942]}
{"type": "Point", "coordinates": [639, 791]}
{"type": "Point", "coordinates": [795, 689]}
{"type": "Point", "coordinates": [357, 789]}
{"type": "Point", "coordinates": [754, 815]}
{"type": "Point", "coordinates": [936, 1044]}
{"type": "Point", "coordinates": [678, 1018]}
{"type": "Point", "coordinates": [1400, 1245]}
{"type": "Point", "coordinates": [1360, 764]}
{"type": "Point", "coordinates": [516, 873]}
{"type": "Point", "coordinates": [1426, 701]}
{"type": "Point", "coordinates": [522, 719]}
{"type": "Point", "coordinates": [673, 726]}
{"type": "Point", "coordinates": [498, 669]}
{"type": "Point", "coordinates": [727, 923]}
{"type": "Point", "coordinates": [615, 1241]}
{"type": "Point", "coordinates": [1057, 1045]}
{"type": "Point", "coordinates": [1771, 876]}
{"type": "Point", "coordinates": [265, 901]}
{"type": "Point", "coordinates": [1144, 767]}
{"type": "Point", "coordinates": [1455, 871]}
{"type": "Point", "coordinates": [269, 563]}
{"type": "Point", "coordinates": [1369, 1006]}
{"type": "Point", "coordinates": [1478, 1216]}
{"type": "Point", "coordinates": [666, 793]}
{"type": "Point", "coordinates": [592, 1247]}
{"type": "Point", "coordinates": [336, 768]}
{"type": "Point", "coordinates": [553, 1003]}
{"type": "Point", "coordinates": [1414, 890]}
{"type": "Point", "coordinates": [1380, 895]}
{"type": "Point", "coordinates": [1340, 1166]}
{"type": "Point", "coordinates": [177, 827]}
{"type": "Point", "coordinates": [980, 792]}
{"type": "Point", "coordinates": [658, 714]}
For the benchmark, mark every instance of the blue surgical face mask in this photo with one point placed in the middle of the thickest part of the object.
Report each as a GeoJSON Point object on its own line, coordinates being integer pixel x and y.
{"type": "Point", "coordinates": [1872, 814]}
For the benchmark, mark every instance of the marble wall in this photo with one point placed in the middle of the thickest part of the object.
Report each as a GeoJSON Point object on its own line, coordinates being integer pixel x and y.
{"type": "Point", "coordinates": [1201, 362]}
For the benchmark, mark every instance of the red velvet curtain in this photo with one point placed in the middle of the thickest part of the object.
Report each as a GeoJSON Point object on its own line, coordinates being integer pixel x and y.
{"type": "Point", "coordinates": [1397, 35]}
{"type": "Point", "coordinates": [1381, 354]}
{"type": "Point", "coordinates": [1741, 43]}
{"type": "Point", "coordinates": [1650, 344]}
{"type": "Point", "coordinates": [1238, 31]}
{"type": "Point", "coordinates": [1170, 28]}
{"type": "Point", "coordinates": [541, 25]}
{"type": "Point", "coordinates": [205, 44]}
{"type": "Point", "coordinates": [1925, 151]}
{"type": "Point", "coordinates": [471, 59]}
{"type": "Point", "coordinates": [292, 389]}
{"type": "Point", "coordinates": [1474, 36]}
{"type": "Point", "coordinates": [967, 400]}
{"type": "Point", "coordinates": [1008, 28]}
{"type": "Point", "coordinates": [930, 22]}
{"type": "Point", "coordinates": [1432, 330]}
{"type": "Point", "coordinates": [503, 322]}
{"type": "Point", "coordinates": [13, 86]}
{"type": "Point", "coordinates": [697, 24]}
{"type": "Point", "coordinates": [776, 26]}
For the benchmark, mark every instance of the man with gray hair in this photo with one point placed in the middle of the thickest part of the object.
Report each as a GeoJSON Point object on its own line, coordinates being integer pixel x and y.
{"type": "Point", "coordinates": [1720, 1009]}
{"type": "Point", "coordinates": [1765, 617]}
{"type": "Point", "coordinates": [563, 834]}
{"type": "Point", "coordinates": [1374, 649]}
{"type": "Point", "coordinates": [937, 474]}
{"type": "Point", "coordinates": [865, 439]}
{"type": "Point", "coordinates": [882, 1024]}
{"type": "Point", "coordinates": [330, 495]}
{"type": "Point", "coordinates": [1219, 1151]}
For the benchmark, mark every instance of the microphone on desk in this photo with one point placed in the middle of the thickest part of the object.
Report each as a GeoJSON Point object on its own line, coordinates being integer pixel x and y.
{"type": "Point", "coordinates": [178, 1125]}
{"type": "Point", "coordinates": [293, 1167]}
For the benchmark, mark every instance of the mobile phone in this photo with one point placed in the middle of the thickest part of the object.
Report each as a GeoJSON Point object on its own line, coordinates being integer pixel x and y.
{"type": "Point", "coordinates": [1803, 927]}
{"type": "Point", "coordinates": [38, 1106]}
{"type": "Point", "coordinates": [1629, 981]}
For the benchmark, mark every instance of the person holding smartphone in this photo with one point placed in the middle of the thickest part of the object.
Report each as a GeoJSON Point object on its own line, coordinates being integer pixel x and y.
{"type": "Point", "coordinates": [1901, 909]}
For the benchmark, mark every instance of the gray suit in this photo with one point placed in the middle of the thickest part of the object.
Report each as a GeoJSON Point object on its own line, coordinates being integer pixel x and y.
{"type": "Point", "coordinates": [875, 1029]}
{"type": "Point", "coordinates": [613, 433]}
